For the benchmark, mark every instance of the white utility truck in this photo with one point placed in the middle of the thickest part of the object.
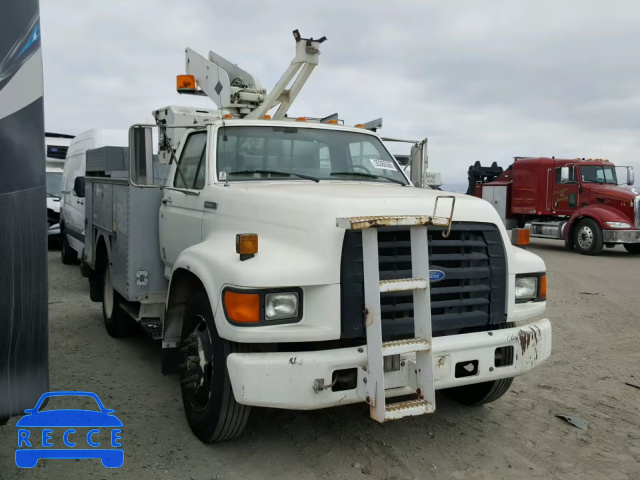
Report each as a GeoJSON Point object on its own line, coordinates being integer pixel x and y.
{"type": "Point", "coordinates": [290, 263]}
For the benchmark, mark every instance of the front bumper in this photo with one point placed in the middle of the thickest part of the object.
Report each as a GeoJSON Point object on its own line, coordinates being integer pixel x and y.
{"type": "Point", "coordinates": [286, 380]}
{"type": "Point", "coordinates": [621, 236]}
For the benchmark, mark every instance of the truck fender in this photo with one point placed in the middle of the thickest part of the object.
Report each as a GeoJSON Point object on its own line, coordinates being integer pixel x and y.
{"type": "Point", "coordinates": [193, 270]}
{"type": "Point", "coordinates": [598, 213]}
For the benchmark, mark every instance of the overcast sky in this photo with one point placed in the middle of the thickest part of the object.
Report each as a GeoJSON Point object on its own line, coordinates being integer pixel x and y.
{"type": "Point", "coordinates": [484, 80]}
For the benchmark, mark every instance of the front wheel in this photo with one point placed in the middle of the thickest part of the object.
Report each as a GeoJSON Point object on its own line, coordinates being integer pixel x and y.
{"type": "Point", "coordinates": [588, 237]}
{"type": "Point", "coordinates": [632, 247]}
{"type": "Point", "coordinates": [4, 421]}
{"type": "Point", "coordinates": [480, 393]}
{"type": "Point", "coordinates": [209, 404]}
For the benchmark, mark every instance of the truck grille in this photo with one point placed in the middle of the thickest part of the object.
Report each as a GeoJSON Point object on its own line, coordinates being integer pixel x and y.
{"type": "Point", "coordinates": [471, 296]}
{"type": "Point", "coordinates": [636, 211]}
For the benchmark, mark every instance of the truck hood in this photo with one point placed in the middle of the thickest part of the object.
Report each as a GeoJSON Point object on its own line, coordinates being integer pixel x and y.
{"type": "Point", "coordinates": [613, 192]}
{"type": "Point", "coordinates": [53, 203]}
{"type": "Point", "coordinates": [305, 204]}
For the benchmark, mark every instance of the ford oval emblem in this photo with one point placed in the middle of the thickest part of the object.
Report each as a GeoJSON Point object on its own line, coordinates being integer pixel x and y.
{"type": "Point", "coordinates": [435, 275]}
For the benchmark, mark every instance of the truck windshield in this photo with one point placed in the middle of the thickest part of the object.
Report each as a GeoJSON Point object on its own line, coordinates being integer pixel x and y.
{"type": "Point", "coordinates": [598, 174]}
{"type": "Point", "coordinates": [54, 184]}
{"type": "Point", "coordinates": [294, 153]}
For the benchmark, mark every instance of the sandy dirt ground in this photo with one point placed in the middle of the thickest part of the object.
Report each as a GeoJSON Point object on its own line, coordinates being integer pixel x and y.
{"type": "Point", "coordinates": [594, 305]}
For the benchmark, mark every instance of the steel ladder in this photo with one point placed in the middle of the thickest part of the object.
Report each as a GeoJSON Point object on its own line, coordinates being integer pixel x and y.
{"type": "Point", "coordinates": [371, 379]}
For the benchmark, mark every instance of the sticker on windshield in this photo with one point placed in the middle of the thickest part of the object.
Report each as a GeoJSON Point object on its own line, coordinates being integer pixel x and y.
{"type": "Point", "coordinates": [382, 164]}
{"type": "Point", "coordinates": [222, 176]}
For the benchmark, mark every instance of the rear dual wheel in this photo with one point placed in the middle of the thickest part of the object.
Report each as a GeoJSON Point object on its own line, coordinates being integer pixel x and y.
{"type": "Point", "coordinates": [209, 404]}
{"type": "Point", "coordinates": [117, 322]}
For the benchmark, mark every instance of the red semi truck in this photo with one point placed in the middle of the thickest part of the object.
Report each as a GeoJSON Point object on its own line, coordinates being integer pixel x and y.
{"type": "Point", "coordinates": [575, 200]}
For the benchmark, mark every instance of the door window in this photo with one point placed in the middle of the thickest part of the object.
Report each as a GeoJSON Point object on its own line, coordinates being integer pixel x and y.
{"type": "Point", "coordinates": [190, 170]}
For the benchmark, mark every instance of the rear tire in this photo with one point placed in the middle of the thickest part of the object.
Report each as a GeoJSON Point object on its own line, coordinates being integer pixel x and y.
{"type": "Point", "coordinates": [587, 237]}
{"type": "Point", "coordinates": [209, 404]}
{"type": "Point", "coordinates": [633, 248]}
{"type": "Point", "coordinates": [116, 320]}
{"type": "Point", "coordinates": [4, 421]}
{"type": "Point", "coordinates": [69, 255]}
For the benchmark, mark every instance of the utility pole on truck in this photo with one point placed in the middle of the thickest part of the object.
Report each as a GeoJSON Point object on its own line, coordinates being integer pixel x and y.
{"type": "Point", "coordinates": [290, 263]}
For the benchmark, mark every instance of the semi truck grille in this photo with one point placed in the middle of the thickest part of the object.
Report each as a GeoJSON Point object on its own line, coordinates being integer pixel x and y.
{"type": "Point", "coordinates": [471, 296]}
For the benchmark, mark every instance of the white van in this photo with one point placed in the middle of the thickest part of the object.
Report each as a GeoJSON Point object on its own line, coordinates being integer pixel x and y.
{"type": "Point", "coordinates": [72, 204]}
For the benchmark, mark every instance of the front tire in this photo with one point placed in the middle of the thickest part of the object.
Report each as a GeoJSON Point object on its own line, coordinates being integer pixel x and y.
{"type": "Point", "coordinates": [633, 248]}
{"type": "Point", "coordinates": [587, 237]}
{"type": "Point", "coordinates": [480, 393]}
{"type": "Point", "coordinates": [209, 404]}
{"type": "Point", "coordinates": [117, 322]}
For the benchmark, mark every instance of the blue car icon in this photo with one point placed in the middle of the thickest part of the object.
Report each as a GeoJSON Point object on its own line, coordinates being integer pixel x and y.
{"type": "Point", "coordinates": [31, 447]}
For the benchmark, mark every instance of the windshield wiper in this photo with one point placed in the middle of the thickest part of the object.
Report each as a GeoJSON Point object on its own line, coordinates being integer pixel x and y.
{"type": "Point", "coordinates": [370, 175]}
{"type": "Point", "coordinates": [275, 172]}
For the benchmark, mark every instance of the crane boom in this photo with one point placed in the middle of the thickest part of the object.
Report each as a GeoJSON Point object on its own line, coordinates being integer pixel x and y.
{"type": "Point", "coordinates": [236, 91]}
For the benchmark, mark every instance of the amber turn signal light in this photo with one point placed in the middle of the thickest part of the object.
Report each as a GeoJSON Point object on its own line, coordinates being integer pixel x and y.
{"type": "Point", "coordinates": [246, 245]}
{"type": "Point", "coordinates": [242, 307]}
{"type": "Point", "coordinates": [185, 83]}
{"type": "Point", "coordinates": [543, 287]}
{"type": "Point", "coordinates": [520, 237]}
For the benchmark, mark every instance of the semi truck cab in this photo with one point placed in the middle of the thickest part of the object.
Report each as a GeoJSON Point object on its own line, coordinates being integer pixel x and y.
{"type": "Point", "coordinates": [576, 200]}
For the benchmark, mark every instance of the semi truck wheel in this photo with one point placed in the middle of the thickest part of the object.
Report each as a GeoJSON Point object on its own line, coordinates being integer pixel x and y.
{"type": "Point", "coordinates": [116, 320]}
{"type": "Point", "coordinates": [69, 255]}
{"type": "Point", "coordinates": [632, 247]}
{"type": "Point", "coordinates": [587, 237]}
{"type": "Point", "coordinates": [4, 421]}
{"type": "Point", "coordinates": [209, 404]}
{"type": "Point", "coordinates": [479, 393]}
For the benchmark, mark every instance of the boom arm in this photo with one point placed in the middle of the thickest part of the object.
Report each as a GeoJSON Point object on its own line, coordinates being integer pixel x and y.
{"type": "Point", "coordinates": [235, 90]}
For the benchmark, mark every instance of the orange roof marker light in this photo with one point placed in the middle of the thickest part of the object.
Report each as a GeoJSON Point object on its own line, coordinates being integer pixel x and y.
{"type": "Point", "coordinates": [359, 125]}
{"type": "Point", "coordinates": [185, 83]}
{"type": "Point", "coordinates": [332, 122]}
{"type": "Point", "coordinates": [301, 119]}
{"type": "Point", "coordinates": [266, 117]}
{"type": "Point", "coordinates": [227, 116]}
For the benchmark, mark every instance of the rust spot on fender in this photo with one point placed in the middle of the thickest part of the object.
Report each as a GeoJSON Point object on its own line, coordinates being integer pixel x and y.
{"type": "Point", "coordinates": [441, 361]}
{"type": "Point", "coordinates": [368, 318]}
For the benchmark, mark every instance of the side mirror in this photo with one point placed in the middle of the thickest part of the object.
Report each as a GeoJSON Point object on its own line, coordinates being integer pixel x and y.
{"type": "Point", "coordinates": [564, 175]}
{"type": "Point", "coordinates": [78, 186]}
{"type": "Point", "coordinates": [141, 155]}
{"type": "Point", "coordinates": [630, 176]}
{"type": "Point", "coordinates": [418, 164]}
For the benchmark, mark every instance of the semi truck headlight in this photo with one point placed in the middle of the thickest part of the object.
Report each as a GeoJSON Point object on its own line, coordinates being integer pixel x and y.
{"type": "Point", "coordinates": [617, 225]}
{"type": "Point", "coordinates": [281, 306]}
{"type": "Point", "coordinates": [526, 288]}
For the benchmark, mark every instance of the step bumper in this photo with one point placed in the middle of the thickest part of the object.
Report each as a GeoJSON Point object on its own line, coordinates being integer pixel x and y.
{"type": "Point", "coordinates": [298, 381]}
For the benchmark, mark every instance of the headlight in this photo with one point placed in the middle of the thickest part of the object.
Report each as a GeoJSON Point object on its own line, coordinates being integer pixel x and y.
{"type": "Point", "coordinates": [281, 306]}
{"type": "Point", "coordinates": [526, 288]}
{"type": "Point", "coordinates": [617, 225]}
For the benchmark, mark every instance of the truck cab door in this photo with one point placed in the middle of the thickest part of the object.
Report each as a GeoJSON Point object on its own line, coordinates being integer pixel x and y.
{"type": "Point", "coordinates": [565, 196]}
{"type": "Point", "coordinates": [181, 209]}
